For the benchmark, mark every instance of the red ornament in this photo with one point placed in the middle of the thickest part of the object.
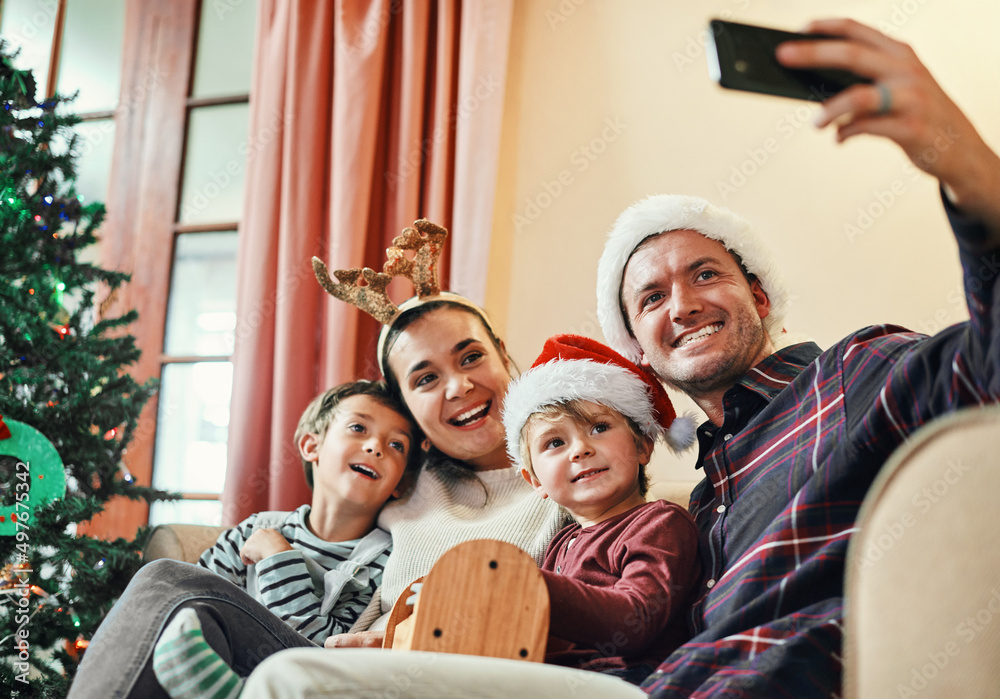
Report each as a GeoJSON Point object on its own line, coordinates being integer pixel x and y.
{"type": "Point", "coordinates": [4, 430]}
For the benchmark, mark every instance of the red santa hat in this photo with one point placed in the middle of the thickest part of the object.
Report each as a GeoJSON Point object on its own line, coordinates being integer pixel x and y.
{"type": "Point", "coordinates": [674, 212]}
{"type": "Point", "coordinates": [572, 368]}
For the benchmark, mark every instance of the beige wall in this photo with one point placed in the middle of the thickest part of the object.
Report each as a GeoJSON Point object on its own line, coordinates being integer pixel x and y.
{"type": "Point", "coordinates": [612, 97]}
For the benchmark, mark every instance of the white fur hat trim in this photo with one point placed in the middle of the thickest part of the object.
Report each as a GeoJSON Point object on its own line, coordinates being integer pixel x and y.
{"type": "Point", "coordinates": [674, 212]}
{"type": "Point", "coordinates": [561, 381]}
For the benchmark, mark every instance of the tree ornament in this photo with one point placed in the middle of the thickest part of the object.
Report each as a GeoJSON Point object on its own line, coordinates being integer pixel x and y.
{"type": "Point", "coordinates": [75, 648]}
{"type": "Point", "coordinates": [61, 330]}
{"type": "Point", "coordinates": [12, 575]}
{"type": "Point", "coordinates": [40, 480]}
{"type": "Point", "coordinates": [125, 473]}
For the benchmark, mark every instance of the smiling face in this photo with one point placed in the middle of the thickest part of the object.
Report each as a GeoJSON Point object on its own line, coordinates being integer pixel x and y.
{"type": "Point", "coordinates": [590, 464]}
{"type": "Point", "coordinates": [453, 379]}
{"type": "Point", "coordinates": [697, 319]}
{"type": "Point", "coordinates": [361, 457]}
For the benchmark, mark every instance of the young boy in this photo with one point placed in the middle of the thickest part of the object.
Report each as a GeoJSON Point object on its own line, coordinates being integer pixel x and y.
{"type": "Point", "coordinates": [581, 425]}
{"type": "Point", "coordinates": [317, 567]}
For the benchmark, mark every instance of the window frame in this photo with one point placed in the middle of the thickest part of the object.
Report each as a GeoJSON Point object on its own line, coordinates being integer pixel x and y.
{"type": "Point", "coordinates": [140, 236]}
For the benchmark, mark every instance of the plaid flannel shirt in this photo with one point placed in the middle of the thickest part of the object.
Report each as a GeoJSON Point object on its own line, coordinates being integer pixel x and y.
{"type": "Point", "coordinates": [804, 434]}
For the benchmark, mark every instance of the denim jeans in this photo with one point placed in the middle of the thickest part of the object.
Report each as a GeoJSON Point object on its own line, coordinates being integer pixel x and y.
{"type": "Point", "coordinates": [118, 661]}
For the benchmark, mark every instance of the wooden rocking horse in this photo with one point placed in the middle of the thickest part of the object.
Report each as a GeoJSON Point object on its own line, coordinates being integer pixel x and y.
{"type": "Point", "coordinates": [482, 597]}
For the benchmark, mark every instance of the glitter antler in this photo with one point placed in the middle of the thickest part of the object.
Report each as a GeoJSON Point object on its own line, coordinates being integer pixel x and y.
{"type": "Point", "coordinates": [425, 239]}
{"type": "Point", "coordinates": [370, 297]}
{"type": "Point", "coordinates": [366, 288]}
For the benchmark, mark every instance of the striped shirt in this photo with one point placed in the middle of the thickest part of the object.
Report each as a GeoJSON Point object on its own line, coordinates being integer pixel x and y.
{"type": "Point", "coordinates": [285, 584]}
{"type": "Point", "coordinates": [804, 434]}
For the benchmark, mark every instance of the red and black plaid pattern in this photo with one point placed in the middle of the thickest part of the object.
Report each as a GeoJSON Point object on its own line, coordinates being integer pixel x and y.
{"type": "Point", "coordinates": [805, 433]}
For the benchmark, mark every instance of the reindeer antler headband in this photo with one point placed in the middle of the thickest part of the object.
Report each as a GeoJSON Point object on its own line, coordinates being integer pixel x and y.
{"type": "Point", "coordinates": [366, 288]}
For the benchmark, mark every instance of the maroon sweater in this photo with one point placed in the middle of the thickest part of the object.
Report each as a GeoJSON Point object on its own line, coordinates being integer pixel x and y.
{"type": "Point", "coordinates": [620, 590]}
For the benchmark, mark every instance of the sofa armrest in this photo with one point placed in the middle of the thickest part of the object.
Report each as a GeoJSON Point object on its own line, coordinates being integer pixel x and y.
{"type": "Point", "coordinates": [181, 542]}
{"type": "Point", "coordinates": [922, 590]}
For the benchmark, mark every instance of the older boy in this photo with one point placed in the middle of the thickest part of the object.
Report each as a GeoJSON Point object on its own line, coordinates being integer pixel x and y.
{"type": "Point", "coordinates": [580, 425]}
{"type": "Point", "coordinates": [315, 568]}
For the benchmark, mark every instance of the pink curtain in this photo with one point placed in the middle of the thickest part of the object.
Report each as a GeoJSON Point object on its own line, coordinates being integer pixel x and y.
{"type": "Point", "coordinates": [365, 115]}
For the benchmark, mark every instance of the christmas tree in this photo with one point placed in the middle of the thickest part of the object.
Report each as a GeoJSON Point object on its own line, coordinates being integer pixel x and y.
{"type": "Point", "coordinates": [63, 375]}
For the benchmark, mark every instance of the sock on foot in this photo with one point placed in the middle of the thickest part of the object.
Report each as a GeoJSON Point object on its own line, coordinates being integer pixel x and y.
{"type": "Point", "coordinates": [186, 665]}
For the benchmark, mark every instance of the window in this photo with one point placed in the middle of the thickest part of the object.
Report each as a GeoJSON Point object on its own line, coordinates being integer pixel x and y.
{"type": "Point", "coordinates": [164, 97]}
{"type": "Point", "coordinates": [60, 34]}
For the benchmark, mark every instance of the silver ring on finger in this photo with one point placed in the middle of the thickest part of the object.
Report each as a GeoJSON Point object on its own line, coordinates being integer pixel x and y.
{"type": "Point", "coordinates": [885, 99]}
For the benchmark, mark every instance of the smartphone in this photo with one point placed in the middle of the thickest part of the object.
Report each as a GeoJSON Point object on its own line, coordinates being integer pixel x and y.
{"type": "Point", "coordinates": [741, 57]}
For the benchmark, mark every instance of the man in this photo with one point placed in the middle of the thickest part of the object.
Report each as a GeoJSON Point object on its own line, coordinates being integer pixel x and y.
{"type": "Point", "coordinates": [794, 436]}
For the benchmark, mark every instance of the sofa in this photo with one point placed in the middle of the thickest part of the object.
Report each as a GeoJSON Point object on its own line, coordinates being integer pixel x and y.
{"type": "Point", "coordinates": [922, 585]}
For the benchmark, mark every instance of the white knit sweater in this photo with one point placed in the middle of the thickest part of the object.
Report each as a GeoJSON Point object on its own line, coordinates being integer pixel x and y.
{"type": "Point", "coordinates": [441, 512]}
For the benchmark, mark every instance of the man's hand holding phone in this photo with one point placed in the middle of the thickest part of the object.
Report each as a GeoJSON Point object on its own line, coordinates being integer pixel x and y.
{"type": "Point", "coordinates": [742, 57]}
{"type": "Point", "coordinates": [868, 84]}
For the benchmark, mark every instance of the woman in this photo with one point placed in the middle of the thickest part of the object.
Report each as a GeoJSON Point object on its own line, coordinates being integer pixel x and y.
{"type": "Point", "coordinates": [452, 371]}
{"type": "Point", "coordinates": [444, 359]}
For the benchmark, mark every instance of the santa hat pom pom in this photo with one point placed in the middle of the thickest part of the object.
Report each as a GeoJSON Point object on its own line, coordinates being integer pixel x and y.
{"type": "Point", "coordinates": [681, 434]}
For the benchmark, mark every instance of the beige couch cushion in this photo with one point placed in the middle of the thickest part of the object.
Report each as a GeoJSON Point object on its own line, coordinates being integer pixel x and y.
{"type": "Point", "coordinates": [181, 542]}
{"type": "Point", "coordinates": [922, 615]}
